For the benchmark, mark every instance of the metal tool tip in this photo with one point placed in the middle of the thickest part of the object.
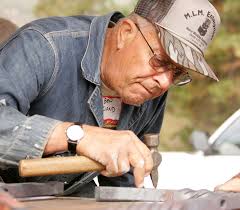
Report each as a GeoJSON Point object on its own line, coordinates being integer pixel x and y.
{"type": "Point", "coordinates": [155, 184]}
{"type": "Point", "coordinates": [154, 178]}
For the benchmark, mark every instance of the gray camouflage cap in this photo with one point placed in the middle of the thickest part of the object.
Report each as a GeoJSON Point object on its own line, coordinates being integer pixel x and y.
{"type": "Point", "coordinates": [186, 28]}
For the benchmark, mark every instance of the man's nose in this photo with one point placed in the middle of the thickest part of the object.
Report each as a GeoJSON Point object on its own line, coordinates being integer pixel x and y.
{"type": "Point", "coordinates": [164, 79]}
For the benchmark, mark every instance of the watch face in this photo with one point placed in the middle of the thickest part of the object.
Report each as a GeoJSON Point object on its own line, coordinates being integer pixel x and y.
{"type": "Point", "coordinates": [75, 132]}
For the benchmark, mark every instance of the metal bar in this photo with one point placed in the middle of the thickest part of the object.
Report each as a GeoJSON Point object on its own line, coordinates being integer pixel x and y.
{"type": "Point", "coordinates": [216, 203]}
{"type": "Point", "coordinates": [30, 189]}
{"type": "Point", "coordinates": [185, 199]}
{"type": "Point", "coordinates": [129, 194]}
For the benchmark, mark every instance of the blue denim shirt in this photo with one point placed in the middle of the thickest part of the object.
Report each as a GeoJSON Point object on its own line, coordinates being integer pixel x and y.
{"type": "Point", "coordinates": [49, 73]}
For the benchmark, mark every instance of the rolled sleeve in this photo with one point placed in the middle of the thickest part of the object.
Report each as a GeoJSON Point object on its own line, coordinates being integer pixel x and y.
{"type": "Point", "coordinates": [32, 138]}
{"type": "Point", "coordinates": [25, 137]}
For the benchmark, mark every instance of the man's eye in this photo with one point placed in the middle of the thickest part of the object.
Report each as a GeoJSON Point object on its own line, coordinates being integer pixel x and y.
{"type": "Point", "coordinates": [171, 67]}
{"type": "Point", "coordinates": [158, 63]}
{"type": "Point", "coordinates": [177, 72]}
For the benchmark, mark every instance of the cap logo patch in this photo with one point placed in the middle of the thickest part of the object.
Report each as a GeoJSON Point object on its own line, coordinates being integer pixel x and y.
{"type": "Point", "coordinates": [204, 27]}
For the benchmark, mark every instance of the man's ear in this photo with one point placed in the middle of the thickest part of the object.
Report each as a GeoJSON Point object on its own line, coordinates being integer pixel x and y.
{"type": "Point", "coordinates": [126, 33]}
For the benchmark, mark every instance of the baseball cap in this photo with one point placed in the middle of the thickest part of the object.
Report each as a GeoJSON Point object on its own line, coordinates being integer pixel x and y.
{"type": "Point", "coordinates": [186, 28]}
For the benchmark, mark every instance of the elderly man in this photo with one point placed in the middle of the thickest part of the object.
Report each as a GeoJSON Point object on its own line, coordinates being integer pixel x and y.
{"type": "Point", "coordinates": [96, 85]}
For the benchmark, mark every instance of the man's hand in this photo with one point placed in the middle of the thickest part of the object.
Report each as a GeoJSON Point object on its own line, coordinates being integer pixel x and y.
{"type": "Point", "coordinates": [232, 185]}
{"type": "Point", "coordinates": [117, 150]}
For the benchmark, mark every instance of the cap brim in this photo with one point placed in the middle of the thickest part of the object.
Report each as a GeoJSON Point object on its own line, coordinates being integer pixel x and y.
{"type": "Point", "coordinates": [184, 54]}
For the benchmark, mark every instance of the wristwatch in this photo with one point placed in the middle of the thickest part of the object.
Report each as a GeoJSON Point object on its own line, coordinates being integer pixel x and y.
{"type": "Point", "coordinates": [74, 134]}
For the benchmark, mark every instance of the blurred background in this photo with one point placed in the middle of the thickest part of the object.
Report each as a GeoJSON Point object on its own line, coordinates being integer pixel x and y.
{"type": "Point", "coordinates": [202, 105]}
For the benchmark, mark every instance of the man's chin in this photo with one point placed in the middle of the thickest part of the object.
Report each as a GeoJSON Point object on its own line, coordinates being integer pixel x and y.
{"type": "Point", "coordinates": [137, 101]}
{"type": "Point", "coordinates": [134, 102]}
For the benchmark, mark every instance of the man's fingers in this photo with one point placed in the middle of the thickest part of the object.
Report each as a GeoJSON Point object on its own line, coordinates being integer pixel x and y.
{"type": "Point", "coordinates": [111, 164]}
{"type": "Point", "coordinates": [147, 155]}
{"type": "Point", "coordinates": [139, 174]}
{"type": "Point", "coordinates": [123, 162]}
{"type": "Point", "coordinates": [107, 173]}
{"type": "Point", "coordinates": [148, 164]}
{"type": "Point", "coordinates": [117, 164]}
{"type": "Point", "coordinates": [233, 185]}
{"type": "Point", "coordinates": [137, 162]}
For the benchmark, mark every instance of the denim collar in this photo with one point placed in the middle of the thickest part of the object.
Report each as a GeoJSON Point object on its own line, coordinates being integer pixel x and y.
{"type": "Point", "coordinates": [91, 62]}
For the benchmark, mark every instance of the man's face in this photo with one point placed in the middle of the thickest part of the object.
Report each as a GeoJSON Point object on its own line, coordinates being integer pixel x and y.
{"type": "Point", "coordinates": [131, 75]}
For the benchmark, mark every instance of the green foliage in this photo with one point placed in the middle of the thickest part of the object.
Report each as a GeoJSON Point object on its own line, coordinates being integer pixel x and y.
{"type": "Point", "coordinates": [207, 104]}
{"type": "Point", "coordinates": [46, 8]}
{"type": "Point", "coordinates": [184, 136]}
{"type": "Point", "coordinates": [231, 15]}
{"type": "Point", "coordinates": [221, 93]}
{"type": "Point", "coordinates": [70, 7]}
